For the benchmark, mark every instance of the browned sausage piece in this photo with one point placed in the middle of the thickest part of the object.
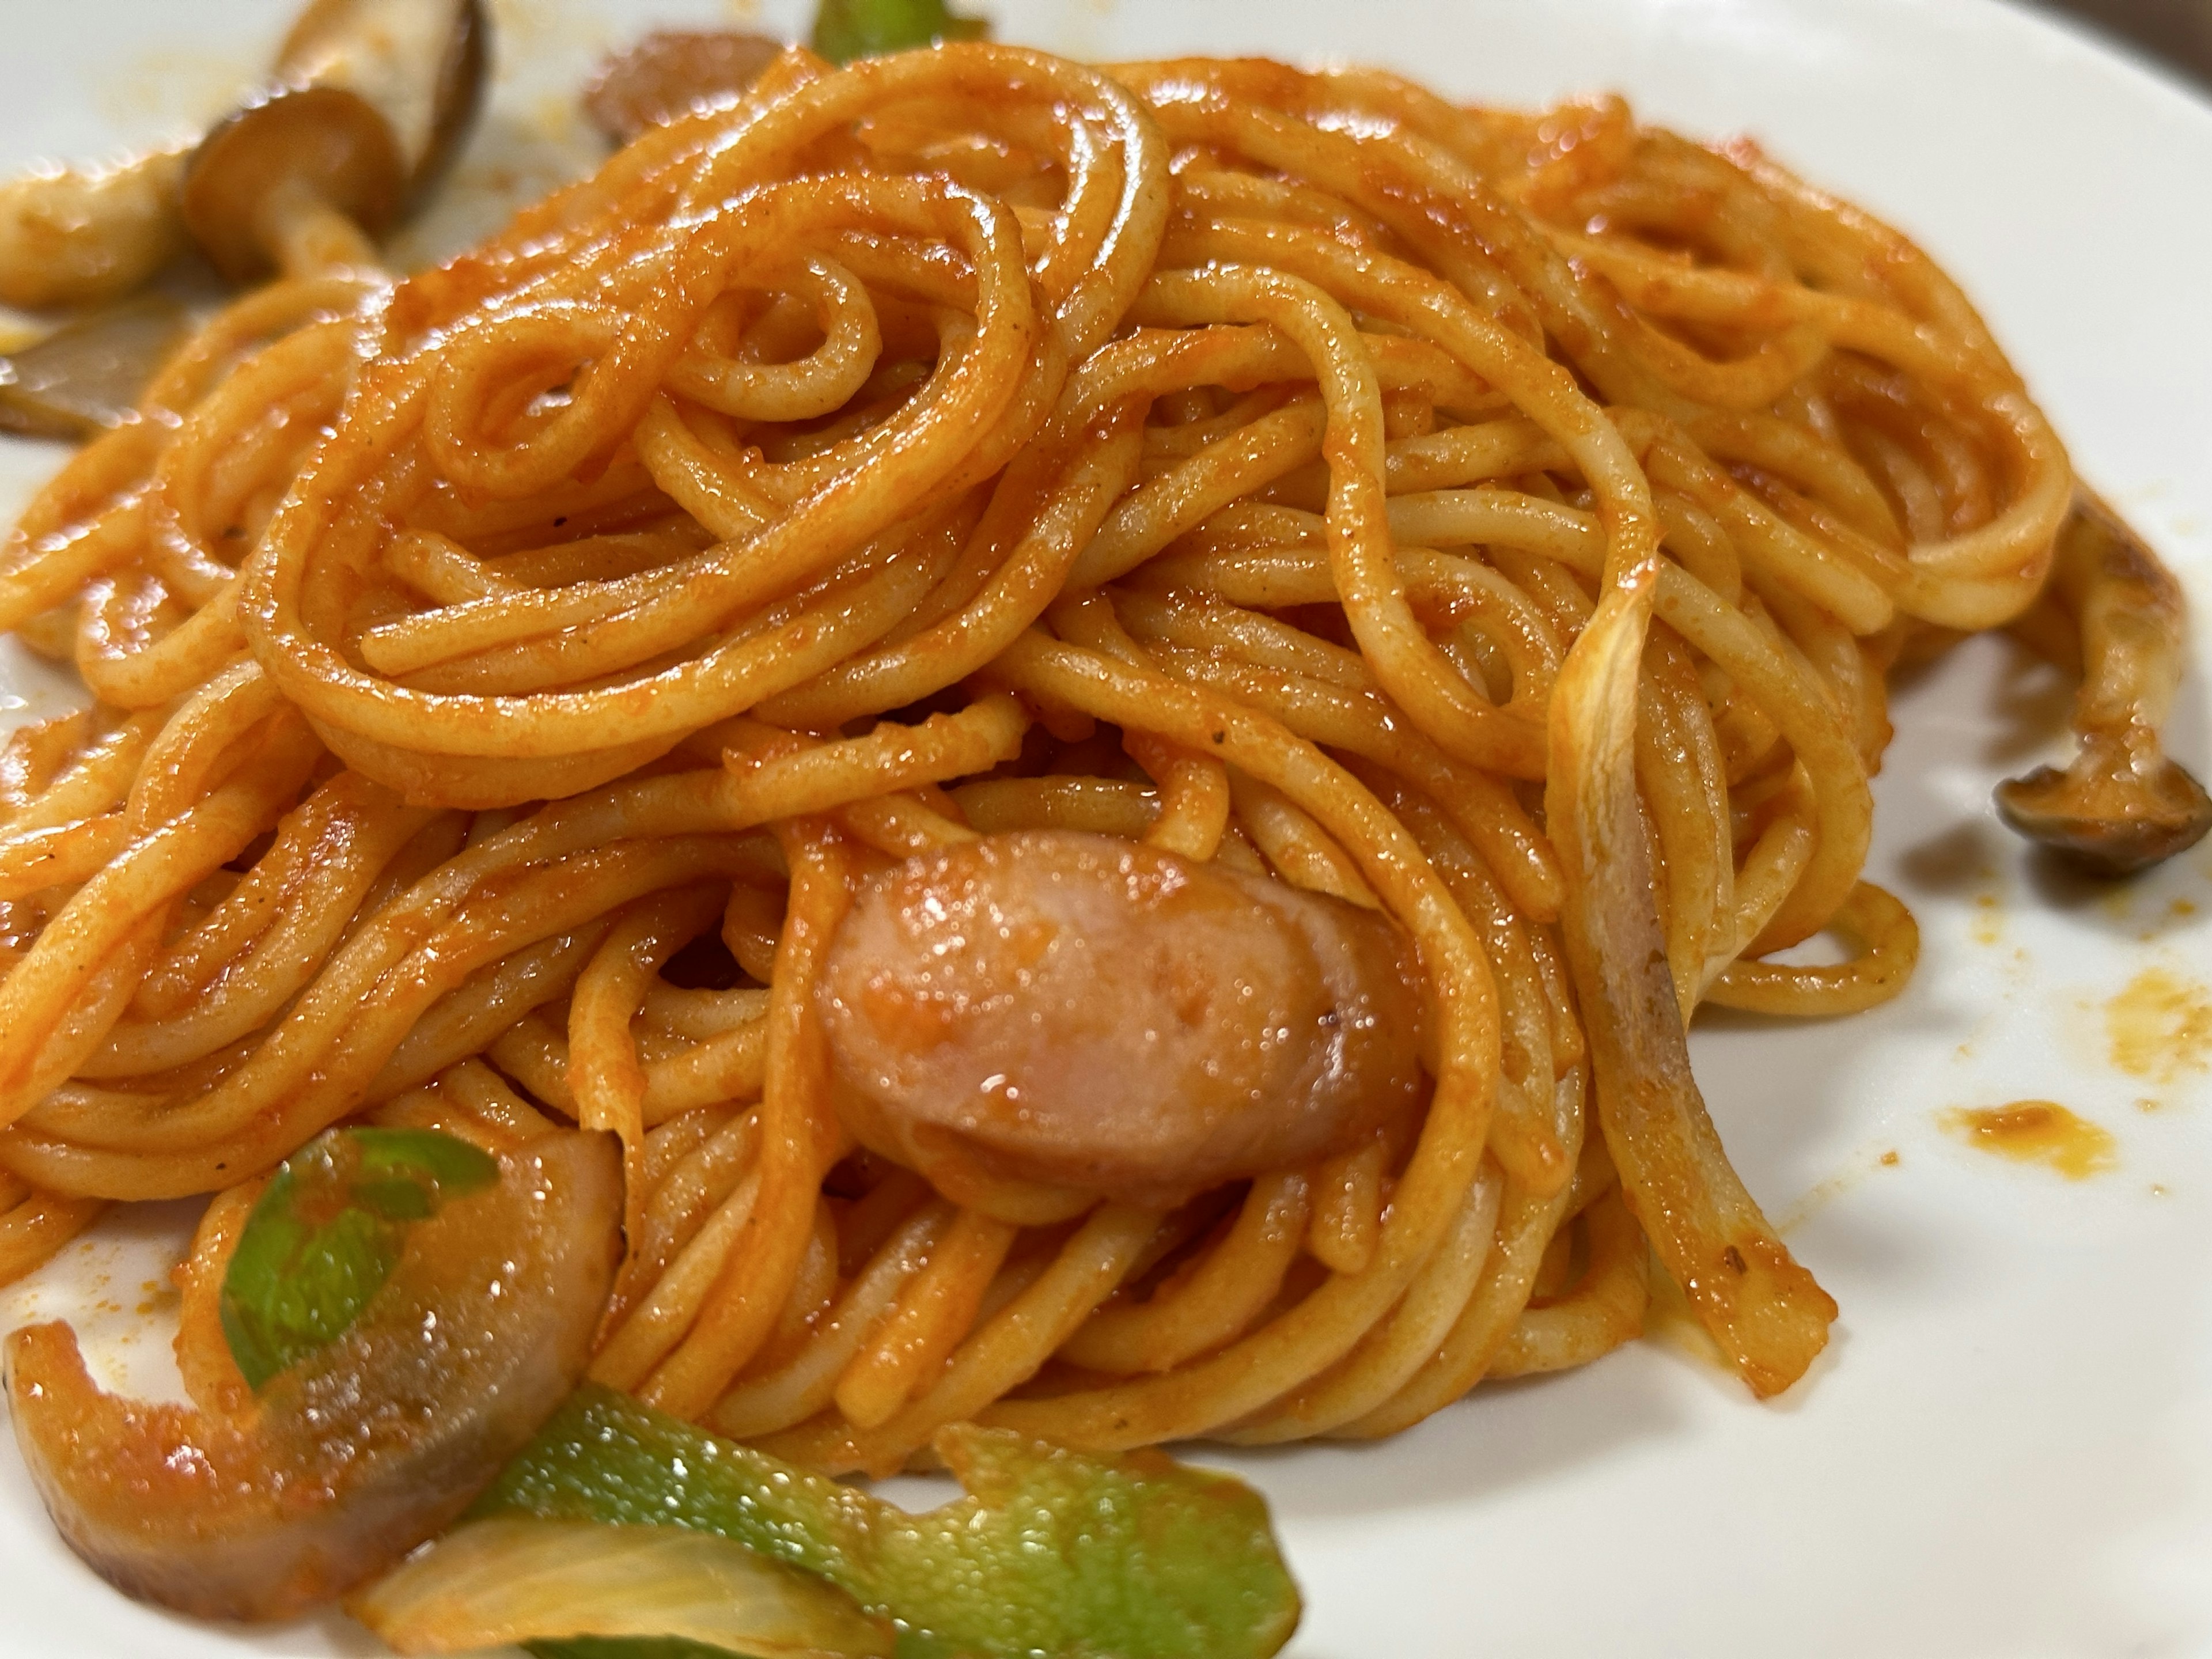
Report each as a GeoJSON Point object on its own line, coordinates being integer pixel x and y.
{"type": "Point", "coordinates": [670, 73]}
{"type": "Point", "coordinates": [1079, 1012]}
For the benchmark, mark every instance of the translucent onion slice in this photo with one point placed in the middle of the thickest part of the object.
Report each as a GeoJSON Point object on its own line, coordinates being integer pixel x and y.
{"type": "Point", "coordinates": [1765, 1310]}
{"type": "Point", "coordinates": [493, 1583]}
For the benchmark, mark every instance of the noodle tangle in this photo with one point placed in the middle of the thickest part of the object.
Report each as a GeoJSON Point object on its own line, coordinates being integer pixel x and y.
{"type": "Point", "coordinates": [503, 681]}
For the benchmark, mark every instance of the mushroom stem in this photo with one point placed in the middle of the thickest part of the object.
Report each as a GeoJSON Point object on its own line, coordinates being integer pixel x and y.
{"type": "Point", "coordinates": [305, 236]}
{"type": "Point", "coordinates": [371, 100]}
{"type": "Point", "coordinates": [2122, 804]}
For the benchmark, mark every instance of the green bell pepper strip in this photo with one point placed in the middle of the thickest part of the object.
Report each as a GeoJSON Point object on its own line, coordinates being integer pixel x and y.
{"type": "Point", "coordinates": [846, 30]}
{"type": "Point", "coordinates": [1053, 1552]}
{"type": "Point", "coordinates": [326, 1232]}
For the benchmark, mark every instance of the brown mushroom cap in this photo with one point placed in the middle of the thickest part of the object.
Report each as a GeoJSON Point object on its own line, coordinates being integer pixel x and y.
{"type": "Point", "coordinates": [2122, 804]}
{"type": "Point", "coordinates": [421, 63]}
{"type": "Point", "coordinates": [316, 141]}
{"type": "Point", "coordinates": [374, 97]}
{"type": "Point", "coordinates": [2113, 812]}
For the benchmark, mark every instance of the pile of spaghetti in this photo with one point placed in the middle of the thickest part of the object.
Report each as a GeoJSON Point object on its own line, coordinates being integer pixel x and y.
{"type": "Point", "coordinates": [504, 681]}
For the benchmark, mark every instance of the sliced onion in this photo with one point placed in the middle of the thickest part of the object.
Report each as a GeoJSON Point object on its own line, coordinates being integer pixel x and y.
{"type": "Point", "coordinates": [493, 1583]}
{"type": "Point", "coordinates": [1765, 1310]}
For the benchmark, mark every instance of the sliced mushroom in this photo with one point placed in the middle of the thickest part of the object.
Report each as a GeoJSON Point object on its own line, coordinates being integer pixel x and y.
{"type": "Point", "coordinates": [374, 98]}
{"type": "Point", "coordinates": [420, 62]}
{"type": "Point", "coordinates": [371, 102]}
{"type": "Point", "coordinates": [76, 236]}
{"type": "Point", "coordinates": [2122, 804]}
{"type": "Point", "coordinates": [87, 375]}
{"type": "Point", "coordinates": [389, 88]}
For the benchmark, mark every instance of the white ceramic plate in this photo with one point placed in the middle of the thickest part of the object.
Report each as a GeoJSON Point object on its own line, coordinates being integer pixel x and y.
{"type": "Point", "coordinates": [2008, 1450]}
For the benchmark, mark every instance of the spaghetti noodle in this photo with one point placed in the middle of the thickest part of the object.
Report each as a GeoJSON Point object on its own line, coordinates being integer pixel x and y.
{"type": "Point", "coordinates": [505, 681]}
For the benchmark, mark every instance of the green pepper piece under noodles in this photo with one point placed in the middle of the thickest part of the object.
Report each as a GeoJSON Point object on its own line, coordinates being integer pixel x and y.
{"type": "Point", "coordinates": [1052, 1552]}
{"type": "Point", "coordinates": [846, 30]}
{"type": "Point", "coordinates": [325, 1234]}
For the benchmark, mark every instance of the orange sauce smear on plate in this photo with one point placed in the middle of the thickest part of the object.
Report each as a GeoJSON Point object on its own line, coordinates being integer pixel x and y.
{"type": "Point", "coordinates": [2037, 1132]}
{"type": "Point", "coordinates": [2159, 1026]}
